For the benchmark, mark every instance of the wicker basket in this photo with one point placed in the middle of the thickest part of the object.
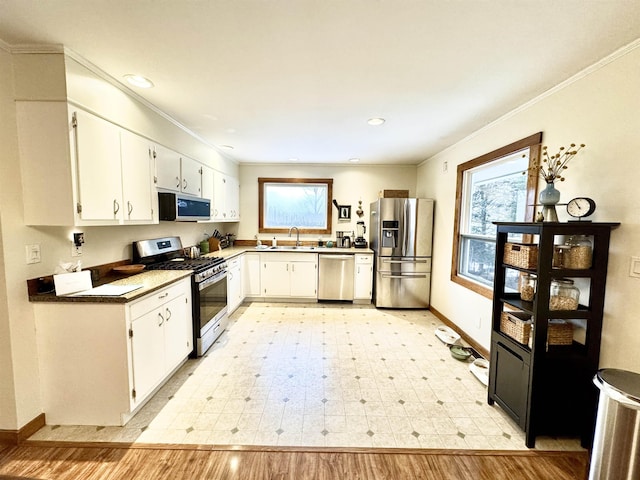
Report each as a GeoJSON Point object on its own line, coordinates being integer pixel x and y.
{"type": "Point", "coordinates": [516, 325]}
{"type": "Point", "coordinates": [559, 332]}
{"type": "Point", "coordinates": [520, 255]}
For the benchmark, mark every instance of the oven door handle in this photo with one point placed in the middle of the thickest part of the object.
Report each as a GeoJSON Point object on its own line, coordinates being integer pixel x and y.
{"type": "Point", "coordinates": [205, 283]}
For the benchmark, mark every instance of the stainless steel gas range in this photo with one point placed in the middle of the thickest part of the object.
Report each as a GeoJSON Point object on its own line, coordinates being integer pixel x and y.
{"type": "Point", "coordinates": [208, 285]}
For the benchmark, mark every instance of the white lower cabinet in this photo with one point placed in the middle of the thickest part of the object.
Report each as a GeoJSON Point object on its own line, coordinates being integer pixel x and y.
{"type": "Point", "coordinates": [234, 284]}
{"type": "Point", "coordinates": [251, 275]}
{"type": "Point", "coordinates": [293, 275]}
{"type": "Point", "coordinates": [363, 277]}
{"type": "Point", "coordinates": [160, 337]}
{"type": "Point", "coordinates": [100, 362]}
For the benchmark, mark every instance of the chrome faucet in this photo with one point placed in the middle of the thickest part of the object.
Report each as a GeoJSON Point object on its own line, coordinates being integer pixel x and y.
{"type": "Point", "coordinates": [297, 235]}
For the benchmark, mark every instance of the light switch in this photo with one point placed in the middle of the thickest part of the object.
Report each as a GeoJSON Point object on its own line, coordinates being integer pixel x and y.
{"type": "Point", "coordinates": [634, 271]}
{"type": "Point", "coordinates": [33, 253]}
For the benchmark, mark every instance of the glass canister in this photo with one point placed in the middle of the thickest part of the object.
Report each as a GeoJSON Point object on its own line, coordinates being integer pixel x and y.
{"type": "Point", "coordinates": [527, 287]}
{"type": "Point", "coordinates": [559, 252]}
{"type": "Point", "coordinates": [563, 295]}
{"type": "Point", "coordinates": [579, 253]}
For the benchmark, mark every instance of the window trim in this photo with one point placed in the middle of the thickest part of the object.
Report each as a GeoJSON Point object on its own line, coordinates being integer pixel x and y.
{"type": "Point", "coordinates": [533, 142]}
{"type": "Point", "coordinates": [327, 181]}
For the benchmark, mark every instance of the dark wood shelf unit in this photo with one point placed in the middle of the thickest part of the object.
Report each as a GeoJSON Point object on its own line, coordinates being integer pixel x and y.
{"type": "Point", "coordinates": [548, 389]}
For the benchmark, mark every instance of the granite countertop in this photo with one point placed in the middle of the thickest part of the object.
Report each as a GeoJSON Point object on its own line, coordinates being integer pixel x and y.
{"type": "Point", "coordinates": [156, 279]}
{"type": "Point", "coordinates": [151, 281]}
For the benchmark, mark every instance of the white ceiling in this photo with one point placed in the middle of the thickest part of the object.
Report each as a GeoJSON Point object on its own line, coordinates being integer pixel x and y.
{"type": "Point", "coordinates": [282, 79]}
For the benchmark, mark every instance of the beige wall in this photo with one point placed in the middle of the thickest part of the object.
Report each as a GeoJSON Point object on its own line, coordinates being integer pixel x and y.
{"type": "Point", "coordinates": [599, 108]}
{"type": "Point", "coordinates": [350, 184]}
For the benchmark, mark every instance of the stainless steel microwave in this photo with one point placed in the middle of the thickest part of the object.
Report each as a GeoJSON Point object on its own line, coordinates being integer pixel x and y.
{"type": "Point", "coordinates": [183, 208]}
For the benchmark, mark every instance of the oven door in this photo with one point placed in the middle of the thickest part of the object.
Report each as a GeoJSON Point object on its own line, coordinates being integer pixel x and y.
{"type": "Point", "coordinates": [210, 311]}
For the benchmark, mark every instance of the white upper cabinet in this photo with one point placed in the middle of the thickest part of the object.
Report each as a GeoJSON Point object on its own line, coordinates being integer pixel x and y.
{"type": "Point", "coordinates": [167, 169]}
{"type": "Point", "coordinates": [75, 171]}
{"type": "Point", "coordinates": [191, 173]}
{"type": "Point", "coordinates": [226, 198]}
{"type": "Point", "coordinates": [99, 168]}
{"type": "Point", "coordinates": [138, 193]}
{"type": "Point", "coordinates": [177, 173]}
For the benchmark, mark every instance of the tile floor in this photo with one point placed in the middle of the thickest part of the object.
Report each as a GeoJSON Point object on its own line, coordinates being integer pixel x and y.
{"type": "Point", "coordinates": [331, 375]}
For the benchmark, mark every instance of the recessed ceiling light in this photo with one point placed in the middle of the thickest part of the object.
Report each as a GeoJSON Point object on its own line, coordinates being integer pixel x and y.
{"type": "Point", "coordinates": [227, 147]}
{"type": "Point", "coordinates": [354, 160]}
{"type": "Point", "coordinates": [376, 121]}
{"type": "Point", "coordinates": [138, 81]}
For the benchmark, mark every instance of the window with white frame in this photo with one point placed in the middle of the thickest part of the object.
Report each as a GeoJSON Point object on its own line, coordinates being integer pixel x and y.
{"type": "Point", "coordinates": [491, 188]}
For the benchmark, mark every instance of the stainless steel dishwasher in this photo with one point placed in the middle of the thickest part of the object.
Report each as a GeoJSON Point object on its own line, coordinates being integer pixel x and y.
{"type": "Point", "coordinates": [335, 277]}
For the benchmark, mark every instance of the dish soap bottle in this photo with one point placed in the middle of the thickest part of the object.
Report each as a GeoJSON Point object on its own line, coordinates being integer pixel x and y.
{"type": "Point", "coordinates": [274, 243]}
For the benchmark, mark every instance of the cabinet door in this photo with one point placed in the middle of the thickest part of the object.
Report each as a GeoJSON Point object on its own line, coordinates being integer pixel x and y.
{"type": "Point", "coordinates": [99, 173]}
{"type": "Point", "coordinates": [167, 169]}
{"type": "Point", "coordinates": [148, 351]}
{"type": "Point", "coordinates": [137, 178]}
{"type": "Point", "coordinates": [234, 285]}
{"type": "Point", "coordinates": [512, 382]}
{"type": "Point", "coordinates": [363, 279]}
{"type": "Point", "coordinates": [207, 186]}
{"type": "Point", "coordinates": [303, 279]}
{"type": "Point", "coordinates": [177, 331]}
{"type": "Point", "coordinates": [251, 275]}
{"type": "Point", "coordinates": [233, 198]}
{"type": "Point", "coordinates": [219, 196]}
{"type": "Point", "coordinates": [275, 279]}
{"type": "Point", "coordinates": [191, 173]}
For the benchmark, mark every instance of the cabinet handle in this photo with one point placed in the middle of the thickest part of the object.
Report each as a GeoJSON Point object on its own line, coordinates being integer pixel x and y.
{"type": "Point", "coordinates": [230, 276]}
{"type": "Point", "coordinates": [129, 208]}
{"type": "Point", "coordinates": [168, 312]}
{"type": "Point", "coordinates": [293, 267]}
{"type": "Point", "coordinates": [160, 319]}
{"type": "Point", "coordinates": [116, 207]}
{"type": "Point", "coordinates": [184, 184]}
{"type": "Point", "coordinates": [177, 182]}
{"type": "Point", "coordinates": [164, 295]}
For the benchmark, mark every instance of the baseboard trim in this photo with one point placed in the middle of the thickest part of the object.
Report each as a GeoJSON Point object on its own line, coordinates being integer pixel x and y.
{"type": "Point", "coordinates": [17, 437]}
{"type": "Point", "coordinates": [479, 348]}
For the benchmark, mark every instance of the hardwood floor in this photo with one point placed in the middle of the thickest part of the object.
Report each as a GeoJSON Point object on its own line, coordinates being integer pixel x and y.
{"type": "Point", "coordinates": [55, 461]}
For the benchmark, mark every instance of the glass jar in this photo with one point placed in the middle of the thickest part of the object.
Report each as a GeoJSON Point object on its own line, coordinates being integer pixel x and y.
{"type": "Point", "coordinates": [559, 252]}
{"type": "Point", "coordinates": [527, 287]}
{"type": "Point", "coordinates": [579, 253]}
{"type": "Point", "coordinates": [563, 295]}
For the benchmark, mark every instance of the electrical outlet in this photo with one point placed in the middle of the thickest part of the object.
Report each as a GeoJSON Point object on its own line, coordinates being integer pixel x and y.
{"type": "Point", "coordinates": [33, 253]}
{"type": "Point", "coordinates": [445, 166]}
{"type": "Point", "coordinates": [76, 250]}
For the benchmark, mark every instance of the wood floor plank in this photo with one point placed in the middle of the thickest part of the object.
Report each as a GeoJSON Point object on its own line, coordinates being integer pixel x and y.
{"type": "Point", "coordinates": [177, 463]}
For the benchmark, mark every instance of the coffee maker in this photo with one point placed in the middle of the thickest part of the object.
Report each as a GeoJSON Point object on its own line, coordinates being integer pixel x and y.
{"type": "Point", "coordinates": [359, 241]}
{"type": "Point", "coordinates": [343, 239]}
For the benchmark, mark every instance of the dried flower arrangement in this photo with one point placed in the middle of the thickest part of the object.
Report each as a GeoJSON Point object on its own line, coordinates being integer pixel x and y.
{"type": "Point", "coordinates": [552, 166]}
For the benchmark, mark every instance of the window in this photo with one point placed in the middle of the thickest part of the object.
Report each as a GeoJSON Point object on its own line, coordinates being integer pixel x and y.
{"type": "Point", "coordinates": [491, 188]}
{"type": "Point", "coordinates": [301, 202]}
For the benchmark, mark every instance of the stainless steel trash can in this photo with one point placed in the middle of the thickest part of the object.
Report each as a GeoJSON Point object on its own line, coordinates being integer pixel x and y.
{"type": "Point", "coordinates": [616, 443]}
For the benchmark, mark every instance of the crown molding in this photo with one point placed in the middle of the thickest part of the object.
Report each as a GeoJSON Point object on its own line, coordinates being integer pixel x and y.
{"type": "Point", "coordinates": [26, 49]}
{"type": "Point", "coordinates": [621, 52]}
{"type": "Point", "coordinates": [119, 85]}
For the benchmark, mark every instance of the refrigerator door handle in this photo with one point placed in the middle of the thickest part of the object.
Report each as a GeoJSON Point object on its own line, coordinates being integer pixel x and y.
{"type": "Point", "coordinates": [405, 276]}
{"type": "Point", "coordinates": [403, 261]}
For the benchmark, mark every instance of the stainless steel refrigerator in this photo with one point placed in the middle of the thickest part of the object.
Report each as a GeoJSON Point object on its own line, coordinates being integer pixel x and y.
{"type": "Point", "coordinates": [401, 238]}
